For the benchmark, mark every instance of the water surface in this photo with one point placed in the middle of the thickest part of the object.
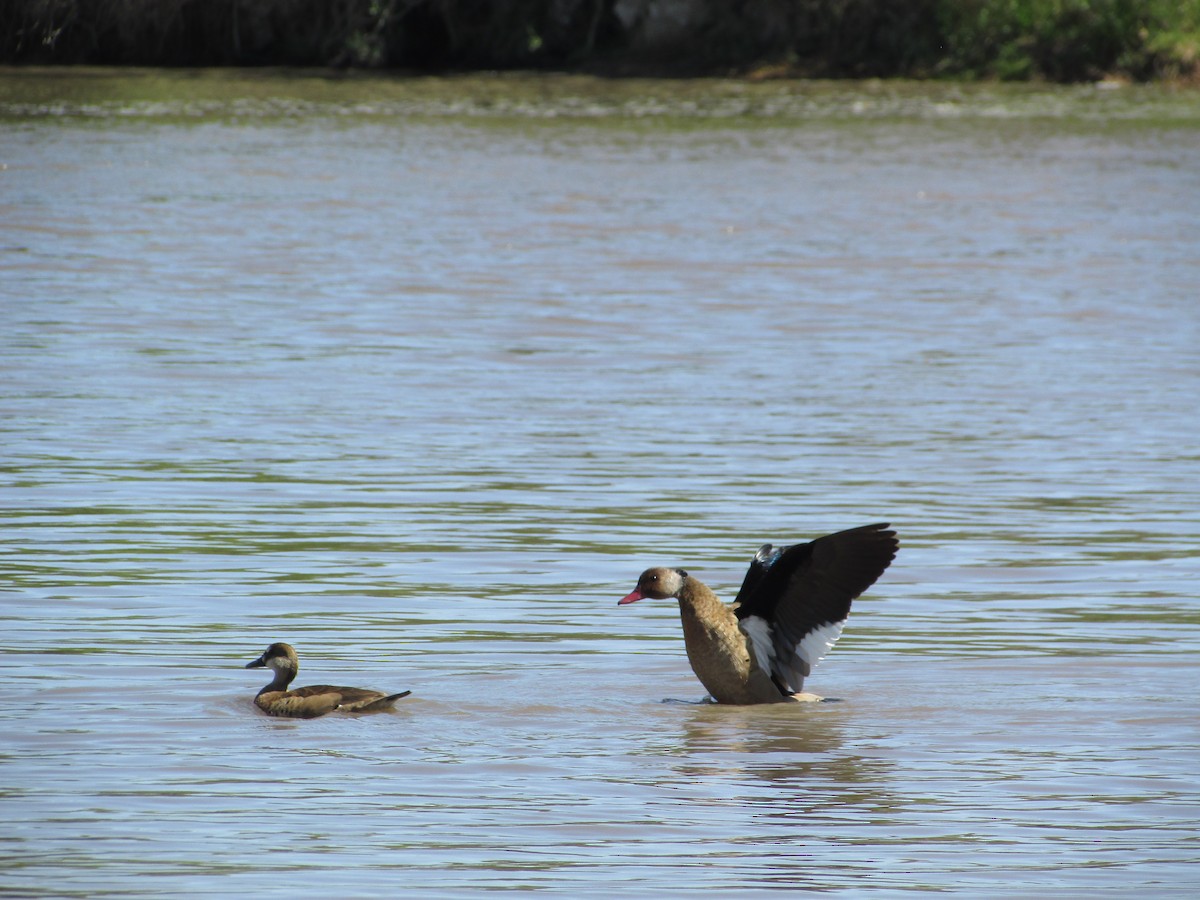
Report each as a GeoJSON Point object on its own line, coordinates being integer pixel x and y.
{"type": "Point", "coordinates": [419, 375]}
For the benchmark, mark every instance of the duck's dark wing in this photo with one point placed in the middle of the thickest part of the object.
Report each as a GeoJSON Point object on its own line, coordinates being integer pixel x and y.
{"type": "Point", "coordinates": [793, 605]}
{"type": "Point", "coordinates": [349, 699]}
{"type": "Point", "coordinates": [766, 557]}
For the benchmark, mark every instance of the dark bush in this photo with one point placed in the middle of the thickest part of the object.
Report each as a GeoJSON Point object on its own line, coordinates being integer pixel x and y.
{"type": "Point", "coordinates": [1063, 40]}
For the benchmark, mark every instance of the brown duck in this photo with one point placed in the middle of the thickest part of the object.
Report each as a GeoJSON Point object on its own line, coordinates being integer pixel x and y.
{"type": "Point", "coordinates": [791, 608]}
{"type": "Point", "coordinates": [315, 700]}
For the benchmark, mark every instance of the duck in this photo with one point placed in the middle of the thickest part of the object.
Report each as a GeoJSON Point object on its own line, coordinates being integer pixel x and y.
{"type": "Point", "coordinates": [791, 608]}
{"type": "Point", "coordinates": [315, 700]}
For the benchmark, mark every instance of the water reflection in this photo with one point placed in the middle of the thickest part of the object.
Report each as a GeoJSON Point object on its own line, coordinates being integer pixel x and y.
{"type": "Point", "coordinates": [793, 749]}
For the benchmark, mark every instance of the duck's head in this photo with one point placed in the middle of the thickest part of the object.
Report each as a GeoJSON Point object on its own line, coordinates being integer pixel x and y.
{"type": "Point", "coordinates": [657, 584]}
{"type": "Point", "coordinates": [279, 656]}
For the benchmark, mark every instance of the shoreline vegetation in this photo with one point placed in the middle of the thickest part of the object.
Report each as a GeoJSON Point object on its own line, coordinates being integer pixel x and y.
{"type": "Point", "coordinates": [1010, 40]}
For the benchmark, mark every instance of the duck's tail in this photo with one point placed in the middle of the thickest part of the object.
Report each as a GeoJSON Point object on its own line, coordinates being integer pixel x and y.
{"type": "Point", "coordinates": [372, 705]}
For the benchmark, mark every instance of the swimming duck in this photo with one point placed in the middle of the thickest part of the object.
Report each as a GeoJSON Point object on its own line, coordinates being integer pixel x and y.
{"type": "Point", "coordinates": [315, 700]}
{"type": "Point", "coordinates": [791, 608]}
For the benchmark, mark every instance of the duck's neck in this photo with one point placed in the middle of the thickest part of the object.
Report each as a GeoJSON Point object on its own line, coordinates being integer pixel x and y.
{"type": "Point", "coordinates": [283, 677]}
{"type": "Point", "coordinates": [699, 603]}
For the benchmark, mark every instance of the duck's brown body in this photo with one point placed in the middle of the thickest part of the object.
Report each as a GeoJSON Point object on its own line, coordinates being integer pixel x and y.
{"type": "Point", "coordinates": [718, 650]}
{"type": "Point", "coordinates": [313, 700]}
{"type": "Point", "coordinates": [791, 608]}
{"type": "Point", "coordinates": [318, 699]}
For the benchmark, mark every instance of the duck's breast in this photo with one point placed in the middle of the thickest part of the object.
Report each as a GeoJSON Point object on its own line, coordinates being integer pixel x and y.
{"type": "Point", "coordinates": [720, 656]}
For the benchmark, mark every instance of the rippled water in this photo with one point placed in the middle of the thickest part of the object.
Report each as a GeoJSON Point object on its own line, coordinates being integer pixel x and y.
{"type": "Point", "coordinates": [419, 376]}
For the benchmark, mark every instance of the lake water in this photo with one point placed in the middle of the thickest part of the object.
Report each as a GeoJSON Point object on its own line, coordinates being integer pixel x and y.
{"type": "Point", "coordinates": [419, 375]}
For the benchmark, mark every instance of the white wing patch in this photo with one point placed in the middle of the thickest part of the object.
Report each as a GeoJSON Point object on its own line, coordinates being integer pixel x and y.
{"type": "Point", "coordinates": [759, 630]}
{"type": "Point", "coordinates": [789, 664]}
{"type": "Point", "coordinates": [814, 645]}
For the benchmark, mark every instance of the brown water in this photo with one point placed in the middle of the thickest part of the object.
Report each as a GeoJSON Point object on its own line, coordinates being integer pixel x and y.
{"type": "Point", "coordinates": [418, 376]}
